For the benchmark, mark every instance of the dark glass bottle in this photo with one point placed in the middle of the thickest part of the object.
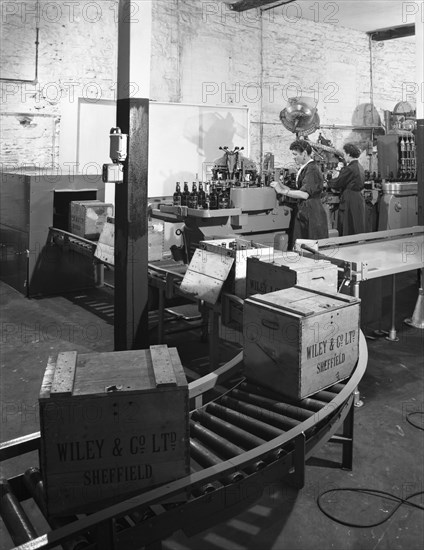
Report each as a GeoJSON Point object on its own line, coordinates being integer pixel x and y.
{"type": "Point", "coordinates": [201, 196]}
{"type": "Point", "coordinates": [224, 198]}
{"type": "Point", "coordinates": [177, 195]}
{"type": "Point", "coordinates": [193, 198]}
{"type": "Point", "coordinates": [185, 195]}
{"type": "Point", "coordinates": [213, 198]}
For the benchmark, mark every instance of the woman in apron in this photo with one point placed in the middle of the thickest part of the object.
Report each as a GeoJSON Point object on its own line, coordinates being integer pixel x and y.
{"type": "Point", "coordinates": [350, 182]}
{"type": "Point", "coordinates": [309, 220]}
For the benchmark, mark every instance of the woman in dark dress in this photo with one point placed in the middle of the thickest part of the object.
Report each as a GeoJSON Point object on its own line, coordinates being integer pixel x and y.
{"type": "Point", "coordinates": [308, 216]}
{"type": "Point", "coordinates": [350, 182]}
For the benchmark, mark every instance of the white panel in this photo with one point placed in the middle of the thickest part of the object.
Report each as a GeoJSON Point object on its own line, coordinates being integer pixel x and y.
{"type": "Point", "coordinates": [184, 140]}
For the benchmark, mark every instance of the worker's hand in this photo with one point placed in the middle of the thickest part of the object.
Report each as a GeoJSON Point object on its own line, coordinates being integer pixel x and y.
{"type": "Point", "coordinates": [279, 188]}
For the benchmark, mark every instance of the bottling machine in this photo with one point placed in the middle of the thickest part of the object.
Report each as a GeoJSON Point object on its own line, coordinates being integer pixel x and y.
{"type": "Point", "coordinates": [397, 164]}
{"type": "Point", "coordinates": [235, 202]}
{"type": "Point", "coordinates": [240, 202]}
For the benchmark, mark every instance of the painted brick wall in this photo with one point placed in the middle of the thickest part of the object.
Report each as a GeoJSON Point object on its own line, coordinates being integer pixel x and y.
{"type": "Point", "coordinates": [201, 53]}
{"type": "Point", "coordinates": [394, 72]}
{"type": "Point", "coordinates": [209, 52]}
{"type": "Point", "coordinates": [76, 58]}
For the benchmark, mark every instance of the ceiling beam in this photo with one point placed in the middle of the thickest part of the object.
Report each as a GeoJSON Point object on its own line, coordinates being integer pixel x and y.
{"type": "Point", "coordinates": [243, 5]}
{"type": "Point", "coordinates": [392, 32]}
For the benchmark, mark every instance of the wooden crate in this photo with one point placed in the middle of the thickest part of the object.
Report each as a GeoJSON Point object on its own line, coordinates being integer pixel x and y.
{"type": "Point", "coordinates": [206, 275]}
{"type": "Point", "coordinates": [112, 425]}
{"type": "Point", "coordinates": [287, 270]}
{"type": "Point", "coordinates": [87, 218]}
{"type": "Point", "coordinates": [240, 250]}
{"type": "Point", "coordinates": [105, 250]}
{"type": "Point", "coordinates": [299, 341]}
{"type": "Point", "coordinates": [156, 236]}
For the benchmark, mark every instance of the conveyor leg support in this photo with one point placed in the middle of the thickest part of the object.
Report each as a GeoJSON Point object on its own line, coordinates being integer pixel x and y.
{"type": "Point", "coordinates": [99, 274]}
{"type": "Point", "coordinates": [297, 478]}
{"type": "Point", "coordinates": [105, 535]}
{"type": "Point", "coordinates": [346, 439]}
{"type": "Point", "coordinates": [355, 293]}
{"type": "Point", "coordinates": [214, 339]}
{"type": "Point", "coordinates": [161, 315]}
{"type": "Point", "coordinates": [347, 443]}
{"type": "Point", "coordinates": [357, 398]}
{"type": "Point", "coordinates": [392, 333]}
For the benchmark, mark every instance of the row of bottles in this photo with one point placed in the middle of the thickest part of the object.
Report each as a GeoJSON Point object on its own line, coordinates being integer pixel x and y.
{"type": "Point", "coordinates": [235, 245]}
{"type": "Point", "coordinates": [407, 158]}
{"type": "Point", "coordinates": [208, 196]}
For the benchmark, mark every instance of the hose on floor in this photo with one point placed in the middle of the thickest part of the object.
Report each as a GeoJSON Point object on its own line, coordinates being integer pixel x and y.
{"type": "Point", "coordinates": [413, 423]}
{"type": "Point", "coordinates": [373, 492]}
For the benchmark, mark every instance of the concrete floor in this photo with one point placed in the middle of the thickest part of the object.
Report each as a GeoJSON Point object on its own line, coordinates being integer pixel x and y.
{"type": "Point", "coordinates": [388, 451]}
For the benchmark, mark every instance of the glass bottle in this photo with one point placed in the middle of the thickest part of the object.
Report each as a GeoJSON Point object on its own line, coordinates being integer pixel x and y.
{"type": "Point", "coordinates": [213, 198]}
{"type": "Point", "coordinates": [223, 198]}
{"type": "Point", "coordinates": [185, 195]}
{"type": "Point", "coordinates": [193, 198]}
{"type": "Point", "coordinates": [201, 196]}
{"type": "Point", "coordinates": [407, 154]}
{"type": "Point", "coordinates": [177, 195]}
{"type": "Point", "coordinates": [413, 157]}
{"type": "Point", "coordinates": [402, 156]}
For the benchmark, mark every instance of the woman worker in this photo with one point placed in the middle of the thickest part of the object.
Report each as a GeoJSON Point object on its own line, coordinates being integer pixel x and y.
{"type": "Point", "coordinates": [351, 216]}
{"type": "Point", "coordinates": [309, 220]}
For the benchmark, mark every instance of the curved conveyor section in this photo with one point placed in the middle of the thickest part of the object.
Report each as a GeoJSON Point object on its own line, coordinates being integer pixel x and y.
{"type": "Point", "coordinates": [240, 443]}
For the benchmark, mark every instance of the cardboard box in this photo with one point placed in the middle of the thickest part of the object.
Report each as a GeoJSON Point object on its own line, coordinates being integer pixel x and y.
{"type": "Point", "coordinates": [239, 250]}
{"type": "Point", "coordinates": [87, 218]}
{"type": "Point", "coordinates": [105, 250]}
{"type": "Point", "coordinates": [156, 239]}
{"type": "Point", "coordinates": [289, 269]}
{"type": "Point", "coordinates": [206, 275]}
{"type": "Point", "coordinates": [299, 341]}
{"type": "Point", "coordinates": [112, 425]}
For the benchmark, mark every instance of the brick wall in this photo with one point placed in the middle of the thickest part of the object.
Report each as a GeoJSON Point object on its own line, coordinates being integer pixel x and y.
{"type": "Point", "coordinates": [201, 53]}
{"type": "Point", "coordinates": [211, 55]}
{"type": "Point", "coordinates": [76, 58]}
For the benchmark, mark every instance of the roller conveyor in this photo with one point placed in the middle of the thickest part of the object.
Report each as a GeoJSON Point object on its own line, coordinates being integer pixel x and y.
{"type": "Point", "coordinates": [72, 242]}
{"type": "Point", "coordinates": [247, 438]}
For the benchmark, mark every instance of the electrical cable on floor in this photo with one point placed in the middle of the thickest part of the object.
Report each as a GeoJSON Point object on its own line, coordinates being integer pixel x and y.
{"type": "Point", "coordinates": [413, 423]}
{"type": "Point", "coordinates": [372, 492]}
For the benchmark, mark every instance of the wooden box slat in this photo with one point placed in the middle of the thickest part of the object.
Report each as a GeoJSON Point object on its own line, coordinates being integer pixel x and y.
{"type": "Point", "coordinates": [64, 373]}
{"type": "Point", "coordinates": [162, 367]}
